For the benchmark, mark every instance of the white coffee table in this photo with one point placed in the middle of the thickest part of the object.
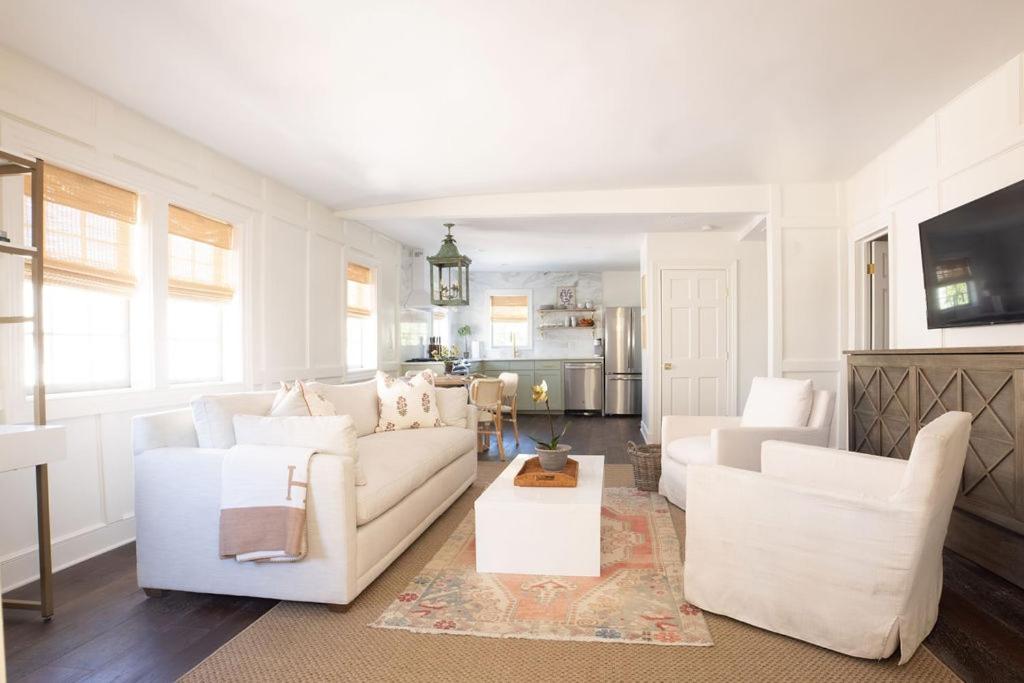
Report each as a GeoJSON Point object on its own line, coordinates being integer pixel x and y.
{"type": "Point", "coordinates": [536, 530]}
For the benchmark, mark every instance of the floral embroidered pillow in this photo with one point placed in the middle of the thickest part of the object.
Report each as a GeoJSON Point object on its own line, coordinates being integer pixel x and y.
{"type": "Point", "coordinates": [407, 403]}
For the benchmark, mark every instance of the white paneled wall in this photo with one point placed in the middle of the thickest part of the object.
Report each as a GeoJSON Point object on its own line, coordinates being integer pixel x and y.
{"type": "Point", "coordinates": [969, 148]}
{"type": "Point", "coordinates": [292, 285]}
{"type": "Point", "coordinates": [806, 263]}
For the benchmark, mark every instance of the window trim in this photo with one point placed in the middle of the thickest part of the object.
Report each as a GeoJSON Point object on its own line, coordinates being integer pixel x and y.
{"type": "Point", "coordinates": [528, 293]}
{"type": "Point", "coordinates": [373, 320]}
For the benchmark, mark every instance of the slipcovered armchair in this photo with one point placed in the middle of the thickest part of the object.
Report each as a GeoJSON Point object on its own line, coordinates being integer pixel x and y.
{"type": "Point", "coordinates": [840, 549]}
{"type": "Point", "coordinates": [776, 408]}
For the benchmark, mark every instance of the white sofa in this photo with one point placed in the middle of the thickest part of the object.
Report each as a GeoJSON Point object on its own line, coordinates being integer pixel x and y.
{"type": "Point", "coordinates": [841, 549]}
{"type": "Point", "coordinates": [713, 440]}
{"type": "Point", "coordinates": [354, 532]}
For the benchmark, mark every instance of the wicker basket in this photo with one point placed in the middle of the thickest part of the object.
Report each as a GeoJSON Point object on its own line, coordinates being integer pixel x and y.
{"type": "Point", "coordinates": [646, 465]}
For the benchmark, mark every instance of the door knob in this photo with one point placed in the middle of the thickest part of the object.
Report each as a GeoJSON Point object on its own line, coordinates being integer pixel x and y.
{"type": "Point", "coordinates": [668, 366]}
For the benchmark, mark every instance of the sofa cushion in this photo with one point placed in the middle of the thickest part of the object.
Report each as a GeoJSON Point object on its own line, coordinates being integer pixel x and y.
{"type": "Point", "coordinates": [778, 402]}
{"type": "Point", "coordinates": [212, 415]}
{"type": "Point", "coordinates": [452, 403]}
{"type": "Point", "coordinates": [407, 404]}
{"type": "Point", "coordinates": [299, 400]}
{"type": "Point", "coordinates": [691, 450]}
{"type": "Point", "coordinates": [397, 463]}
{"type": "Point", "coordinates": [326, 433]}
{"type": "Point", "coordinates": [358, 400]}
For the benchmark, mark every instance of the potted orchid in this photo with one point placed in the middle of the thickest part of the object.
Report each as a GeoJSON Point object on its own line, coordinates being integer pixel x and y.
{"type": "Point", "coordinates": [552, 454]}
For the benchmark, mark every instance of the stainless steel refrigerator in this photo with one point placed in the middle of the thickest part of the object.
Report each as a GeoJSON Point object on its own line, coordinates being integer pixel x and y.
{"type": "Point", "coordinates": [622, 361]}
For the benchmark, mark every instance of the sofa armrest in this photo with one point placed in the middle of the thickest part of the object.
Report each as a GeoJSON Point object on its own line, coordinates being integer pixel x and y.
{"type": "Point", "coordinates": [471, 415]}
{"type": "Point", "coordinates": [177, 506]}
{"type": "Point", "coordinates": [173, 428]}
{"type": "Point", "coordinates": [832, 469]}
{"type": "Point", "coordinates": [681, 426]}
{"type": "Point", "coordinates": [741, 446]}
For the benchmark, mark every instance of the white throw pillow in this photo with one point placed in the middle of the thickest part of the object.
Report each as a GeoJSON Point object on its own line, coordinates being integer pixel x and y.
{"type": "Point", "coordinates": [298, 399]}
{"type": "Point", "coordinates": [452, 403]}
{"type": "Point", "coordinates": [407, 404]}
{"type": "Point", "coordinates": [358, 400]}
{"type": "Point", "coordinates": [778, 402]}
{"type": "Point", "coordinates": [211, 415]}
{"type": "Point", "coordinates": [334, 434]}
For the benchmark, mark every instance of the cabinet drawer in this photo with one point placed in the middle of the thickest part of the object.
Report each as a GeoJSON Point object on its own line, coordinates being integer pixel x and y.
{"type": "Point", "coordinates": [548, 365]}
{"type": "Point", "coordinates": [520, 365]}
{"type": "Point", "coordinates": [495, 366]}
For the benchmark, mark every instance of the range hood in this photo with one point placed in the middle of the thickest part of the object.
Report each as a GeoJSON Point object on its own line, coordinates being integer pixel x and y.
{"type": "Point", "coordinates": [419, 295]}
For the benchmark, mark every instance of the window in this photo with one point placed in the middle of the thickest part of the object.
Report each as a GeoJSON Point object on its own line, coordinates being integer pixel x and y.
{"type": "Point", "coordinates": [88, 282]}
{"type": "Point", "coordinates": [440, 327]}
{"type": "Point", "coordinates": [510, 319]}
{"type": "Point", "coordinates": [200, 289]}
{"type": "Point", "coordinates": [361, 318]}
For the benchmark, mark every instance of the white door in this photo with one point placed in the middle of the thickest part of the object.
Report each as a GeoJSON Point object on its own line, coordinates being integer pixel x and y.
{"type": "Point", "coordinates": [878, 272]}
{"type": "Point", "coordinates": [694, 342]}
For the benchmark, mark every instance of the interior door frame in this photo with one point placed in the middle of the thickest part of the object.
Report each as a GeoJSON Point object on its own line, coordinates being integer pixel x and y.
{"type": "Point", "coordinates": [731, 268]}
{"type": "Point", "coordinates": [862, 290]}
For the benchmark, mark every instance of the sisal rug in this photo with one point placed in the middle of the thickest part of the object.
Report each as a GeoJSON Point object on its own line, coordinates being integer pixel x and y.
{"type": "Point", "coordinates": [638, 598]}
{"type": "Point", "coordinates": [303, 642]}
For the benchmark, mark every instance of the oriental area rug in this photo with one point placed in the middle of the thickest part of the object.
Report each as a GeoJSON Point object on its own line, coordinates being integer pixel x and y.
{"type": "Point", "coordinates": [637, 599]}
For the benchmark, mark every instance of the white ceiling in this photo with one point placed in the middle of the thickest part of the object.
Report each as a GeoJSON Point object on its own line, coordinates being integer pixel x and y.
{"type": "Point", "coordinates": [562, 243]}
{"type": "Point", "coordinates": [360, 103]}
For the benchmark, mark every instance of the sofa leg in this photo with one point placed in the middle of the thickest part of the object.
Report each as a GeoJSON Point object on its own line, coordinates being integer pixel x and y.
{"type": "Point", "coordinates": [154, 592]}
{"type": "Point", "coordinates": [340, 609]}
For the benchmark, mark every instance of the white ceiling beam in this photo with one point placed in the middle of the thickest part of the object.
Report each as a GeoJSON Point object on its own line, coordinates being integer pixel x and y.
{"type": "Point", "coordinates": [668, 200]}
{"type": "Point", "coordinates": [754, 231]}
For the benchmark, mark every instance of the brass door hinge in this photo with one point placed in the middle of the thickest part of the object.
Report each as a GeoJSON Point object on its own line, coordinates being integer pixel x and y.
{"type": "Point", "coordinates": [871, 269]}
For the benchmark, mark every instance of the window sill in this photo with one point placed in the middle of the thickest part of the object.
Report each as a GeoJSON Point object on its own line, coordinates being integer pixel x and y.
{"type": "Point", "coordinates": [360, 375]}
{"type": "Point", "coordinates": [85, 403]}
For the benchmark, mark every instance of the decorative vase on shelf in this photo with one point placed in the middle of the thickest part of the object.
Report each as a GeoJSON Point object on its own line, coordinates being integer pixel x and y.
{"type": "Point", "coordinates": [554, 460]}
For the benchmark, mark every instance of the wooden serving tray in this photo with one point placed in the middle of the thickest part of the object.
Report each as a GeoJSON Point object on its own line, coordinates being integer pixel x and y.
{"type": "Point", "coordinates": [533, 474]}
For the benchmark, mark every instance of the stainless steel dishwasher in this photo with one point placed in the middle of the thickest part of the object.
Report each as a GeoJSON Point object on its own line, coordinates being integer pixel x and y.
{"type": "Point", "coordinates": [584, 386]}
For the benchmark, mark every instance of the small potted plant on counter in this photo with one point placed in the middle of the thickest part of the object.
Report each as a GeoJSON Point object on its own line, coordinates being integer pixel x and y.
{"type": "Point", "coordinates": [447, 355]}
{"type": "Point", "coordinates": [464, 332]}
{"type": "Point", "coordinates": [552, 454]}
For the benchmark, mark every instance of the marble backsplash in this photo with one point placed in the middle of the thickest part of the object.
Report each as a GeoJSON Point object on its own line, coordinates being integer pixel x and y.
{"type": "Point", "coordinates": [571, 343]}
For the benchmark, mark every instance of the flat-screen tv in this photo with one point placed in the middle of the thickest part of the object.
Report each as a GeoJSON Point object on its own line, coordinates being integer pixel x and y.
{"type": "Point", "coordinates": [974, 261]}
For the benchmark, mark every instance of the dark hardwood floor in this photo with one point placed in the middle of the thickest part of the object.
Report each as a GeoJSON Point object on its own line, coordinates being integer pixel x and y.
{"type": "Point", "coordinates": [105, 629]}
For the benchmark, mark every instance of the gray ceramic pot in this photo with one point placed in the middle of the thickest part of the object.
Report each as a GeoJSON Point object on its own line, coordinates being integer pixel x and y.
{"type": "Point", "coordinates": [554, 461]}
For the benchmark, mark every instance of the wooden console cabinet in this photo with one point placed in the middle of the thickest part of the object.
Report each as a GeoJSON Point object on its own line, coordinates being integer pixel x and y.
{"type": "Point", "coordinates": [893, 393]}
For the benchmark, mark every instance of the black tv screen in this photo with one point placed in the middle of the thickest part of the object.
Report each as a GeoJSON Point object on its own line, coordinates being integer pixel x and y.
{"type": "Point", "coordinates": [974, 261]}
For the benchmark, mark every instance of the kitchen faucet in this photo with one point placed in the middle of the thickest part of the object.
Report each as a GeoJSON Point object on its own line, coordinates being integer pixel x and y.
{"type": "Point", "coordinates": [515, 349]}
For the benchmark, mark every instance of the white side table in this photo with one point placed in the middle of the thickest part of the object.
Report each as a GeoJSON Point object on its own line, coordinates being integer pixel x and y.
{"type": "Point", "coordinates": [35, 446]}
{"type": "Point", "coordinates": [537, 530]}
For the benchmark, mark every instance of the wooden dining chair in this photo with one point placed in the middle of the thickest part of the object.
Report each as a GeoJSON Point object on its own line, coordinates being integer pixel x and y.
{"type": "Point", "coordinates": [486, 395]}
{"type": "Point", "coordinates": [509, 402]}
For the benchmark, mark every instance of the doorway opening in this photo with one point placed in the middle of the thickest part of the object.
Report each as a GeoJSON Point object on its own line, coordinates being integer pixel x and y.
{"type": "Point", "coordinates": [876, 288]}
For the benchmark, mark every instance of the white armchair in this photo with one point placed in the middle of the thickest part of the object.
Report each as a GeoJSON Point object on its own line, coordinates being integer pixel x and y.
{"type": "Point", "coordinates": [840, 549]}
{"type": "Point", "coordinates": [777, 409]}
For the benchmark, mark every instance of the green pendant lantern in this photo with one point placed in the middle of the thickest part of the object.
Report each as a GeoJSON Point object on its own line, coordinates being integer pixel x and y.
{"type": "Point", "coordinates": [449, 274]}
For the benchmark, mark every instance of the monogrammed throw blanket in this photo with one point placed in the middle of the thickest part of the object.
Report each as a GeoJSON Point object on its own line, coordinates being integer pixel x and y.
{"type": "Point", "coordinates": [263, 503]}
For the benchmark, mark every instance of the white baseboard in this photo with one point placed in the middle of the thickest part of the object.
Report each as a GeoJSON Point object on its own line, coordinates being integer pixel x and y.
{"type": "Point", "coordinates": [22, 567]}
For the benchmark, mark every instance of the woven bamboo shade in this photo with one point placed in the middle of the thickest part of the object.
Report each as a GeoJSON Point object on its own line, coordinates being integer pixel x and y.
{"type": "Point", "coordinates": [510, 309]}
{"type": "Point", "coordinates": [88, 240]}
{"type": "Point", "coordinates": [199, 256]}
{"type": "Point", "coordinates": [68, 188]}
{"type": "Point", "coordinates": [359, 289]}
{"type": "Point", "coordinates": [199, 228]}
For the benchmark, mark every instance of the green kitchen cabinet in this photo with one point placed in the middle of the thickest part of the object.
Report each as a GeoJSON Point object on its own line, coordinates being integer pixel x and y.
{"type": "Point", "coordinates": [555, 392]}
{"type": "Point", "coordinates": [524, 397]}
